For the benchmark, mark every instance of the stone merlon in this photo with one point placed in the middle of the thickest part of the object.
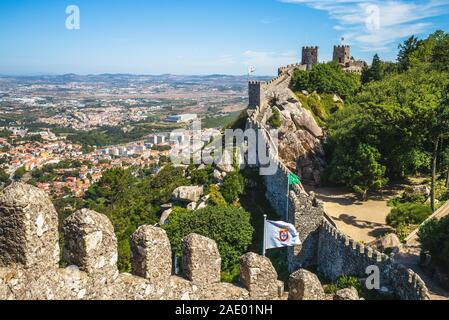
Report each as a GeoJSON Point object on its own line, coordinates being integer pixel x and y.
{"type": "Point", "coordinates": [29, 259]}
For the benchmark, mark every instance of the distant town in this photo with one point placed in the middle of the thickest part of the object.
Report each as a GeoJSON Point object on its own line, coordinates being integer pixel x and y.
{"type": "Point", "coordinates": [61, 132]}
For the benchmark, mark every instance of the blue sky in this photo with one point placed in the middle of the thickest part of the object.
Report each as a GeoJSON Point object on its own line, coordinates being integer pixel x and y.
{"type": "Point", "coordinates": [202, 37]}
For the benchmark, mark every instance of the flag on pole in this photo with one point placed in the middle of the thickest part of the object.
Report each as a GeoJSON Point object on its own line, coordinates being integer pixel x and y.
{"type": "Point", "coordinates": [279, 234]}
{"type": "Point", "coordinates": [251, 70]}
{"type": "Point", "coordinates": [293, 180]}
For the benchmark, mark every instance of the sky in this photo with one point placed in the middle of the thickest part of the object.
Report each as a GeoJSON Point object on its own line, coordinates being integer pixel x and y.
{"type": "Point", "coordinates": [202, 37]}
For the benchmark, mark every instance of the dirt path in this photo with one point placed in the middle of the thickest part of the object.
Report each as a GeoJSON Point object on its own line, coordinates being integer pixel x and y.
{"type": "Point", "coordinates": [365, 221]}
{"type": "Point", "coordinates": [362, 221]}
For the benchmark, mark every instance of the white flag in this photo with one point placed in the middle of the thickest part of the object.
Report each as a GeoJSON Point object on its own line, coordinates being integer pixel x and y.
{"type": "Point", "coordinates": [251, 70]}
{"type": "Point", "coordinates": [279, 234]}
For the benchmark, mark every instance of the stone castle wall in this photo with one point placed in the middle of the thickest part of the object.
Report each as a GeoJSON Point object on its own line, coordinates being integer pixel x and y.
{"type": "Point", "coordinates": [301, 209]}
{"type": "Point", "coordinates": [29, 259]}
{"type": "Point", "coordinates": [323, 246]}
{"type": "Point", "coordinates": [260, 92]}
{"type": "Point", "coordinates": [340, 255]}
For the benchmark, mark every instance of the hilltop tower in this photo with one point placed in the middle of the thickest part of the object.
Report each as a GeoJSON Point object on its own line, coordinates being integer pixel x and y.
{"type": "Point", "coordinates": [310, 56]}
{"type": "Point", "coordinates": [342, 55]}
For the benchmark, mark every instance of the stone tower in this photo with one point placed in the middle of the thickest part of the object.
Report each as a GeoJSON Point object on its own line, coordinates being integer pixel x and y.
{"type": "Point", "coordinates": [310, 56]}
{"type": "Point", "coordinates": [342, 55]}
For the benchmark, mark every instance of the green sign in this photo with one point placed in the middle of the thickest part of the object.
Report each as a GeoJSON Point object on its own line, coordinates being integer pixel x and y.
{"type": "Point", "coordinates": [293, 179]}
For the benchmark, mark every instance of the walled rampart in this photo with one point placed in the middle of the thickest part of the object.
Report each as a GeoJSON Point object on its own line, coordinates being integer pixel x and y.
{"type": "Point", "coordinates": [29, 259]}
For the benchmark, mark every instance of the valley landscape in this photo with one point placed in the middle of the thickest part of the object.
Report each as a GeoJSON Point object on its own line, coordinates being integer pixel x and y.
{"type": "Point", "coordinates": [126, 186]}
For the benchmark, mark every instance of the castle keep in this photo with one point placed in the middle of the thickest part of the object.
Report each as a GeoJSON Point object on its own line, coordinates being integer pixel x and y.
{"type": "Point", "coordinates": [310, 56]}
{"type": "Point", "coordinates": [261, 91]}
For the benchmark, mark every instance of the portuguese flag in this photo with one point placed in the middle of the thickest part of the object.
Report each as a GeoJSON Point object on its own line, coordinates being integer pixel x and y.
{"type": "Point", "coordinates": [293, 180]}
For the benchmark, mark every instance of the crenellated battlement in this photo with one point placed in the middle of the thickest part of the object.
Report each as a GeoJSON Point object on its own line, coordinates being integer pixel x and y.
{"type": "Point", "coordinates": [339, 255]}
{"type": "Point", "coordinates": [29, 259]}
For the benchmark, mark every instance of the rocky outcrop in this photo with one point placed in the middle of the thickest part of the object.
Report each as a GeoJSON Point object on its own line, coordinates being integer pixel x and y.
{"type": "Point", "coordinates": [188, 194]}
{"type": "Point", "coordinates": [304, 285]}
{"type": "Point", "coordinates": [300, 136]}
{"type": "Point", "coordinates": [347, 294]}
{"type": "Point", "coordinates": [164, 216]}
{"type": "Point", "coordinates": [226, 164]}
{"type": "Point", "coordinates": [390, 241]}
{"type": "Point", "coordinates": [412, 193]}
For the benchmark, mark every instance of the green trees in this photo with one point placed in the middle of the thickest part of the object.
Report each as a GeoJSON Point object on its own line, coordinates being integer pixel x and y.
{"type": "Point", "coordinates": [405, 51]}
{"type": "Point", "coordinates": [233, 186]}
{"type": "Point", "coordinates": [408, 214]}
{"type": "Point", "coordinates": [131, 201]}
{"type": "Point", "coordinates": [326, 78]}
{"type": "Point", "coordinates": [439, 130]}
{"type": "Point", "coordinates": [20, 172]}
{"type": "Point", "coordinates": [373, 73]}
{"type": "Point", "coordinates": [434, 237]}
{"type": "Point", "coordinates": [229, 226]}
{"type": "Point", "coordinates": [440, 55]}
{"type": "Point", "coordinates": [4, 177]}
{"type": "Point", "coordinates": [358, 168]}
{"type": "Point", "coordinates": [399, 122]}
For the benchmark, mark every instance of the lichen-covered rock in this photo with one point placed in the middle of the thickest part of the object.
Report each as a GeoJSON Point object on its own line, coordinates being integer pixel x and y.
{"type": "Point", "coordinates": [90, 244]}
{"type": "Point", "coordinates": [151, 254]}
{"type": "Point", "coordinates": [304, 285]}
{"type": "Point", "coordinates": [188, 194]}
{"type": "Point", "coordinates": [259, 276]}
{"type": "Point", "coordinates": [390, 241]}
{"type": "Point", "coordinates": [201, 260]}
{"type": "Point", "coordinates": [164, 216]}
{"type": "Point", "coordinates": [347, 294]}
{"type": "Point", "coordinates": [412, 192]}
{"type": "Point", "coordinates": [304, 119]}
{"type": "Point", "coordinates": [192, 206]}
{"type": "Point", "coordinates": [218, 176]}
{"type": "Point", "coordinates": [226, 164]}
{"type": "Point", "coordinates": [28, 228]}
{"type": "Point", "coordinates": [202, 205]}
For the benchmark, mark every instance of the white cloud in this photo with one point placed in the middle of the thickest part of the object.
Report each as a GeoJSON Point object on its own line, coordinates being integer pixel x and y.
{"type": "Point", "coordinates": [377, 24]}
{"type": "Point", "coordinates": [265, 59]}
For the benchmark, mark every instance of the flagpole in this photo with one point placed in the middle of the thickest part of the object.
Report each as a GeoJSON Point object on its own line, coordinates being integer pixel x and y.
{"type": "Point", "coordinates": [288, 196]}
{"type": "Point", "coordinates": [264, 235]}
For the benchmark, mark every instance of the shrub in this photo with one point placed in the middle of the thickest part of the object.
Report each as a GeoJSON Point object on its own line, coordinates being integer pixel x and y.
{"type": "Point", "coordinates": [434, 237]}
{"type": "Point", "coordinates": [233, 186]}
{"type": "Point", "coordinates": [408, 214]}
{"type": "Point", "coordinates": [216, 198]}
{"type": "Point", "coordinates": [327, 78]}
{"type": "Point", "coordinates": [344, 282]}
{"type": "Point", "coordinates": [275, 120]}
{"type": "Point", "coordinates": [403, 231]}
{"type": "Point", "coordinates": [229, 226]}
